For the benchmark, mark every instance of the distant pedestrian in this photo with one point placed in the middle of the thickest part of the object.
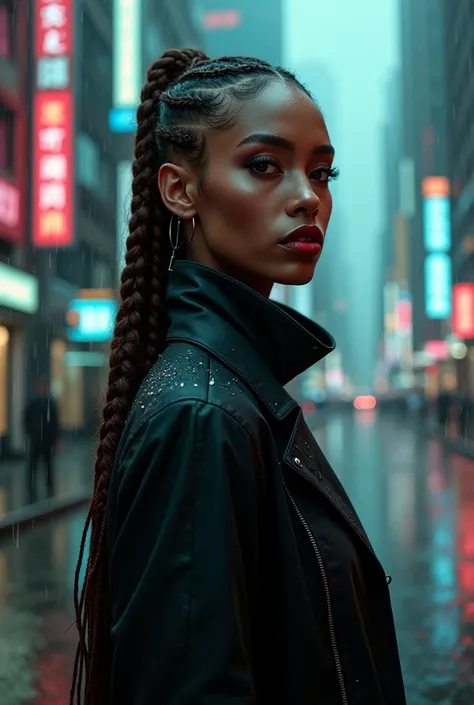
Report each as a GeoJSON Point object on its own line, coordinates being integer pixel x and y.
{"type": "Point", "coordinates": [42, 429]}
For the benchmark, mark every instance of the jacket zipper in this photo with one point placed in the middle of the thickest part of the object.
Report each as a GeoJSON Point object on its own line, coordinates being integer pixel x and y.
{"type": "Point", "coordinates": [319, 559]}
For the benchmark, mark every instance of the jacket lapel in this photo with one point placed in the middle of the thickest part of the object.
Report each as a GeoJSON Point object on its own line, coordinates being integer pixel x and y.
{"type": "Point", "coordinates": [304, 456]}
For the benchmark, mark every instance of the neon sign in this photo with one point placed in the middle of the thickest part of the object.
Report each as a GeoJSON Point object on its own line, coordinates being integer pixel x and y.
{"type": "Point", "coordinates": [53, 126]}
{"type": "Point", "coordinates": [438, 286]}
{"type": "Point", "coordinates": [53, 224]}
{"type": "Point", "coordinates": [463, 311]}
{"type": "Point", "coordinates": [127, 53]}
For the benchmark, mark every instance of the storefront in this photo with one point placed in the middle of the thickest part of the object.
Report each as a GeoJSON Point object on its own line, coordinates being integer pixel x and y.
{"type": "Point", "coordinates": [79, 359]}
{"type": "Point", "coordinates": [18, 301]}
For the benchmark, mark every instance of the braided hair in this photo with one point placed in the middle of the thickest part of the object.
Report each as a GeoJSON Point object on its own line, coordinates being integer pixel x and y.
{"type": "Point", "coordinates": [186, 96]}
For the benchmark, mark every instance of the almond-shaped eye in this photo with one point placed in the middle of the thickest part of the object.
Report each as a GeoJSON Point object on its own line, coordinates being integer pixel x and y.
{"type": "Point", "coordinates": [264, 165]}
{"type": "Point", "coordinates": [324, 174]}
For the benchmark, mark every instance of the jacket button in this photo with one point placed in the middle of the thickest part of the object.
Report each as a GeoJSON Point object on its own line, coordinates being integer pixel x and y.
{"type": "Point", "coordinates": [298, 463]}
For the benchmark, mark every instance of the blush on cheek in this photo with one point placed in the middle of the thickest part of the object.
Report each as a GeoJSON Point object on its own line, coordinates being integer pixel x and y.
{"type": "Point", "coordinates": [240, 210]}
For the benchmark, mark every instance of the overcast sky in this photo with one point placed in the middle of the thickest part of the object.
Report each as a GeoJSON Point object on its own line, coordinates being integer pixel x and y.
{"type": "Point", "coordinates": [358, 42]}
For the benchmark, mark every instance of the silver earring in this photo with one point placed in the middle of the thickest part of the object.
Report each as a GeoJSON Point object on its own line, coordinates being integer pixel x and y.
{"type": "Point", "coordinates": [175, 240]}
{"type": "Point", "coordinates": [194, 228]}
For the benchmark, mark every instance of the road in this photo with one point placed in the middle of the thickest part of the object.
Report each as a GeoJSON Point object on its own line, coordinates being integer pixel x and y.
{"type": "Point", "coordinates": [417, 503]}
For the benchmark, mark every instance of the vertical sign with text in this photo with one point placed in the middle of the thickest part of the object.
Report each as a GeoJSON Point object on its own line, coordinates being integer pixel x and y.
{"type": "Point", "coordinates": [437, 240]}
{"type": "Point", "coordinates": [53, 125]}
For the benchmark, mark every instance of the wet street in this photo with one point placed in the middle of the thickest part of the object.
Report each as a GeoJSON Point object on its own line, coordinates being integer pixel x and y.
{"type": "Point", "coordinates": [417, 503]}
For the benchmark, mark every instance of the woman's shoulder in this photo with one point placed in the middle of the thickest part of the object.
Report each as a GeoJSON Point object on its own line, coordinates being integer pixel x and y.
{"type": "Point", "coordinates": [187, 382]}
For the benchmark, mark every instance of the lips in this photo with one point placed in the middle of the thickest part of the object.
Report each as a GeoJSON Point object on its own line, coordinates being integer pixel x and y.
{"type": "Point", "coordinates": [307, 239]}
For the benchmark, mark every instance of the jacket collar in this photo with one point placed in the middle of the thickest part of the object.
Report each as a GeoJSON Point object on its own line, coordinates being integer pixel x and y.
{"type": "Point", "coordinates": [265, 343]}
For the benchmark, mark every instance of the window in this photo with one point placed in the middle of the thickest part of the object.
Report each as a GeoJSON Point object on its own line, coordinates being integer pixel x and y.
{"type": "Point", "coordinates": [7, 28]}
{"type": "Point", "coordinates": [88, 161]}
{"type": "Point", "coordinates": [97, 51]}
{"type": "Point", "coordinates": [94, 171]}
{"type": "Point", "coordinates": [6, 139]}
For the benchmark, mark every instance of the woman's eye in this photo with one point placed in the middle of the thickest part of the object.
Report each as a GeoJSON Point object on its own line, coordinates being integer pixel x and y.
{"type": "Point", "coordinates": [264, 166]}
{"type": "Point", "coordinates": [325, 174]}
{"type": "Point", "coordinates": [320, 175]}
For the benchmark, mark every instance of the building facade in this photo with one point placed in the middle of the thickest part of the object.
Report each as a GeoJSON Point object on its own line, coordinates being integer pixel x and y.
{"type": "Point", "coordinates": [59, 160]}
{"type": "Point", "coordinates": [18, 287]}
{"type": "Point", "coordinates": [459, 36]}
{"type": "Point", "coordinates": [423, 150]}
{"type": "Point", "coordinates": [243, 27]}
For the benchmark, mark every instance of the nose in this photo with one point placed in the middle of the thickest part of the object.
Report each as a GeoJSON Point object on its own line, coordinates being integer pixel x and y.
{"type": "Point", "coordinates": [304, 200]}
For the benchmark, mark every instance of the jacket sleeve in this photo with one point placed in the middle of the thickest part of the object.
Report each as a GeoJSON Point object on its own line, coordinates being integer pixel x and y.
{"type": "Point", "coordinates": [184, 561]}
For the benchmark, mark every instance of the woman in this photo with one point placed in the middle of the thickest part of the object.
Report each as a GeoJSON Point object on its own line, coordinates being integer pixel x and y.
{"type": "Point", "coordinates": [226, 563]}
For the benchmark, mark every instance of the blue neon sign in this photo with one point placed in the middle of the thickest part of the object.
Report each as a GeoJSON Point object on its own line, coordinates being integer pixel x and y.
{"type": "Point", "coordinates": [91, 320]}
{"type": "Point", "coordinates": [438, 285]}
{"type": "Point", "coordinates": [437, 224]}
{"type": "Point", "coordinates": [122, 120]}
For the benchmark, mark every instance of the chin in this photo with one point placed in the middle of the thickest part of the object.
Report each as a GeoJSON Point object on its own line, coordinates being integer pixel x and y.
{"type": "Point", "coordinates": [297, 275]}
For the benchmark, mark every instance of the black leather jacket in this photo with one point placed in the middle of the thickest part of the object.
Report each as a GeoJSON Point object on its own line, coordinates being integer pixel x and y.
{"type": "Point", "coordinates": [239, 571]}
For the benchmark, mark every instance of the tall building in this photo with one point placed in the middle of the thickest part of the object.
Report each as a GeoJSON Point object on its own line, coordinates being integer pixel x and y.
{"type": "Point", "coordinates": [18, 287]}
{"type": "Point", "coordinates": [71, 212]}
{"type": "Point", "coordinates": [395, 309]}
{"type": "Point", "coordinates": [459, 33]}
{"type": "Point", "coordinates": [243, 27]}
{"type": "Point", "coordinates": [63, 66]}
{"type": "Point", "coordinates": [423, 86]}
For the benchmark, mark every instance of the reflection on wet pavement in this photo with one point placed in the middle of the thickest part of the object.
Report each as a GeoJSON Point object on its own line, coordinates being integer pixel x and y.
{"type": "Point", "coordinates": [417, 503]}
{"type": "Point", "coordinates": [36, 583]}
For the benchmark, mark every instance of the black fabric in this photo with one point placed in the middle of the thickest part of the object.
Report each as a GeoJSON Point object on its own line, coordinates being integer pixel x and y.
{"type": "Point", "coordinates": [239, 571]}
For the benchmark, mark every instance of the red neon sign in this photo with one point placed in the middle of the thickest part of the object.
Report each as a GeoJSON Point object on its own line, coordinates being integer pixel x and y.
{"type": "Point", "coordinates": [53, 22]}
{"type": "Point", "coordinates": [53, 221]}
{"type": "Point", "coordinates": [463, 311]}
{"type": "Point", "coordinates": [222, 19]}
{"type": "Point", "coordinates": [9, 207]}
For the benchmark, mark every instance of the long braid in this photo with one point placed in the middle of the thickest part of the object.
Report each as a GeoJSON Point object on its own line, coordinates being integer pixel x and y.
{"type": "Point", "coordinates": [139, 333]}
{"type": "Point", "coordinates": [184, 96]}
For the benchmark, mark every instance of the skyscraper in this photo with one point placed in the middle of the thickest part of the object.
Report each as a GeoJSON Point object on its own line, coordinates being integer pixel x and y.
{"type": "Point", "coordinates": [244, 27]}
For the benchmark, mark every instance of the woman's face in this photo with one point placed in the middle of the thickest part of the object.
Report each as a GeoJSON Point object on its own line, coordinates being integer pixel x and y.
{"type": "Point", "coordinates": [265, 177]}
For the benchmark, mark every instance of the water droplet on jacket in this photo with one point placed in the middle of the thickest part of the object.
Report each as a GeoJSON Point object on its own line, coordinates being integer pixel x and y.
{"type": "Point", "coordinates": [211, 382]}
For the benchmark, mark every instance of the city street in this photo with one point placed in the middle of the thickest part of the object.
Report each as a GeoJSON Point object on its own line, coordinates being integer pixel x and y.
{"type": "Point", "coordinates": [417, 503]}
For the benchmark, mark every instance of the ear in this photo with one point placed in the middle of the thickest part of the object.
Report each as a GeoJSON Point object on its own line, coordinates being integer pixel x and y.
{"type": "Point", "coordinates": [175, 185]}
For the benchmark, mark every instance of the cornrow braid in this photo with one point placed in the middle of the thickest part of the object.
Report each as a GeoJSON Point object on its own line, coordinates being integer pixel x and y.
{"type": "Point", "coordinates": [208, 70]}
{"type": "Point", "coordinates": [182, 101]}
{"type": "Point", "coordinates": [186, 96]}
{"type": "Point", "coordinates": [174, 135]}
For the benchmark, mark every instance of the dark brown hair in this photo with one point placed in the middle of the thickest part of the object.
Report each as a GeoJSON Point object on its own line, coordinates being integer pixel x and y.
{"type": "Point", "coordinates": [186, 96]}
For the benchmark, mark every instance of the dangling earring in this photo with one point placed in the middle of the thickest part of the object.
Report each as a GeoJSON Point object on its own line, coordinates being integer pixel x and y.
{"type": "Point", "coordinates": [175, 242]}
{"type": "Point", "coordinates": [194, 229]}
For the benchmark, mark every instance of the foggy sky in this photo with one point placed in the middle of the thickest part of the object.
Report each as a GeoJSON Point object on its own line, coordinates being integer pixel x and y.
{"type": "Point", "coordinates": [358, 41]}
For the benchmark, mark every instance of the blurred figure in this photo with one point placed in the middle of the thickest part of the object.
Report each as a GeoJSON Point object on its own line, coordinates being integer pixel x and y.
{"type": "Point", "coordinates": [443, 407]}
{"type": "Point", "coordinates": [42, 429]}
{"type": "Point", "coordinates": [464, 416]}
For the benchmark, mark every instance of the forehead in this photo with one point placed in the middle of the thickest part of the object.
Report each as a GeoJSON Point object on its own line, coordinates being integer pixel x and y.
{"type": "Point", "coordinates": [284, 110]}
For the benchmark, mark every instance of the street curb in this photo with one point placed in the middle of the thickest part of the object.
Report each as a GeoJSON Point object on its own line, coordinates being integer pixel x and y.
{"type": "Point", "coordinates": [27, 517]}
{"type": "Point", "coordinates": [449, 443]}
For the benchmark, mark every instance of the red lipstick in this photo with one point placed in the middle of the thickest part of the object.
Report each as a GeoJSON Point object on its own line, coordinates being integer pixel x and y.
{"type": "Point", "coordinates": [307, 240]}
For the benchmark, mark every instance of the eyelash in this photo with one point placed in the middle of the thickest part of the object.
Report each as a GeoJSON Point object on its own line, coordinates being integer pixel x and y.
{"type": "Point", "coordinates": [332, 172]}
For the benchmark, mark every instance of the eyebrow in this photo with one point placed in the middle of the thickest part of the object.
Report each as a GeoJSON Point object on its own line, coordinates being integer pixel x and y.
{"type": "Point", "coordinates": [276, 141]}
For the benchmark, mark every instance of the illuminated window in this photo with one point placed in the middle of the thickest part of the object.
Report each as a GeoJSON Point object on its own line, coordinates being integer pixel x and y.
{"type": "Point", "coordinates": [6, 139]}
{"type": "Point", "coordinates": [4, 338]}
{"type": "Point", "coordinates": [7, 28]}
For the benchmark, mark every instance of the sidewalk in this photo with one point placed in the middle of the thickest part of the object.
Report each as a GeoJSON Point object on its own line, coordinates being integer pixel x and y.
{"type": "Point", "coordinates": [73, 484]}
{"type": "Point", "coordinates": [449, 439]}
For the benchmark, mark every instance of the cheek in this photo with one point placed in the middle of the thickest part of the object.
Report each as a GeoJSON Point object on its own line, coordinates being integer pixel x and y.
{"type": "Point", "coordinates": [233, 197]}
